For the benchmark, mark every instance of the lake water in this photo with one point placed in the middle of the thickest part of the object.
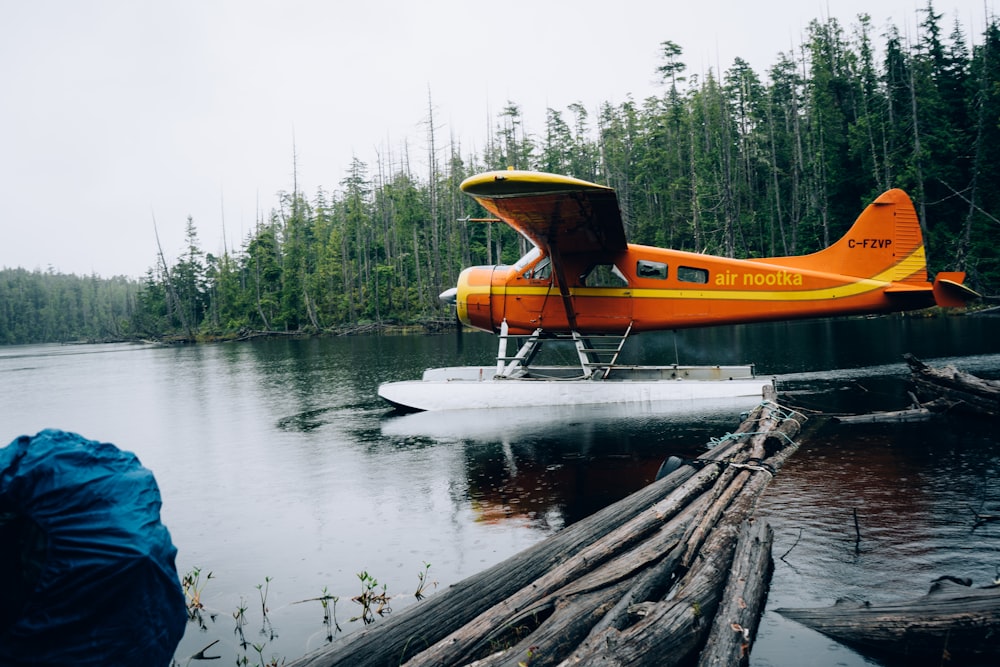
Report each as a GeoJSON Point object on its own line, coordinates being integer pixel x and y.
{"type": "Point", "coordinates": [282, 472]}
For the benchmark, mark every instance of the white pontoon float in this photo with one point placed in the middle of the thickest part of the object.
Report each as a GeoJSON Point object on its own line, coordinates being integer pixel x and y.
{"type": "Point", "coordinates": [515, 383]}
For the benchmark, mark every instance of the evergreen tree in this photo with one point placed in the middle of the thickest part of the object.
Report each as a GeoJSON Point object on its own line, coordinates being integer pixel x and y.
{"type": "Point", "coordinates": [734, 164]}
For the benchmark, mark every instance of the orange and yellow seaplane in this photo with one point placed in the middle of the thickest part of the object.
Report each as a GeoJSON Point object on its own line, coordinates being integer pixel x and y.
{"type": "Point", "coordinates": [582, 281]}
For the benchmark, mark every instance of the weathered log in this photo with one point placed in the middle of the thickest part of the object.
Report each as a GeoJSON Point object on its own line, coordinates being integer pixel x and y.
{"type": "Point", "coordinates": [767, 422]}
{"type": "Point", "coordinates": [729, 486]}
{"type": "Point", "coordinates": [407, 632]}
{"type": "Point", "coordinates": [735, 624]}
{"type": "Point", "coordinates": [597, 599]}
{"type": "Point", "coordinates": [668, 631]}
{"type": "Point", "coordinates": [964, 391]}
{"type": "Point", "coordinates": [570, 619]}
{"type": "Point", "coordinates": [672, 629]}
{"type": "Point", "coordinates": [917, 412]}
{"type": "Point", "coordinates": [467, 642]}
{"type": "Point", "coordinates": [952, 620]}
{"type": "Point", "coordinates": [478, 636]}
{"type": "Point", "coordinates": [892, 416]}
{"type": "Point", "coordinates": [592, 576]}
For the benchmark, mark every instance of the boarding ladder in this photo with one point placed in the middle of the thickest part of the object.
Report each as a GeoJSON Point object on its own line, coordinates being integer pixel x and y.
{"type": "Point", "coordinates": [598, 354]}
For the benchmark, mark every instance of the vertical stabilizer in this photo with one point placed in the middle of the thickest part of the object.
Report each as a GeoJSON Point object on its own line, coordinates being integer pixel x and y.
{"type": "Point", "coordinates": [884, 243]}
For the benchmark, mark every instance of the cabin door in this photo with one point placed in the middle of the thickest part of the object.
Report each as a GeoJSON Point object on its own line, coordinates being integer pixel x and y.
{"type": "Point", "coordinates": [603, 302]}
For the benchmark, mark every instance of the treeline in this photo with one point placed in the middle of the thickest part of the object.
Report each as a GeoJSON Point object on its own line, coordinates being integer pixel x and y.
{"type": "Point", "coordinates": [739, 164]}
{"type": "Point", "coordinates": [38, 307]}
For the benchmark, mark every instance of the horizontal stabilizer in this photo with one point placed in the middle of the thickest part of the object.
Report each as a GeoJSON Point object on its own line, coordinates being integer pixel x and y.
{"type": "Point", "coordinates": [949, 291]}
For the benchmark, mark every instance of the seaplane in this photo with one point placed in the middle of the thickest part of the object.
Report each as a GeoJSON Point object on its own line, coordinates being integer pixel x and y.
{"type": "Point", "coordinates": [583, 283]}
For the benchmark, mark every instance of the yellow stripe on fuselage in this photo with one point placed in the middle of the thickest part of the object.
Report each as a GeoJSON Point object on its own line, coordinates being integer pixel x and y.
{"type": "Point", "coordinates": [697, 291]}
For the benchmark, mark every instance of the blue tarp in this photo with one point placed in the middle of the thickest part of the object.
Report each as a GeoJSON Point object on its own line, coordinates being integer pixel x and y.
{"type": "Point", "coordinates": [88, 568]}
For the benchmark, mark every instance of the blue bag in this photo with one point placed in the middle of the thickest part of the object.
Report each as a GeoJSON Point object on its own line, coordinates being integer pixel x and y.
{"type": "Point", "coordinates": [89, 568]}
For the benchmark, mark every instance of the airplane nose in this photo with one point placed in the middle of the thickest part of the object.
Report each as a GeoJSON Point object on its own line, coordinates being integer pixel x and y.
{"type": "Point", "coordinates": [449, 295]}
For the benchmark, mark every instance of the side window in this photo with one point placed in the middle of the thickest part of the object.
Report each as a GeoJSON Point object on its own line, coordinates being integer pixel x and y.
{"type": "Point", "coordinates": [604, 275]}
{"type": "Point", "coordinates": [541, 271]}
{"type": "Point", "coordinates": [647, 269]}
{"type": "Point", "coordinates": [687, 274]}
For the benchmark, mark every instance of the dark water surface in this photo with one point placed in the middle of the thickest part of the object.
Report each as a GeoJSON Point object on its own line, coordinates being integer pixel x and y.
{"type": "Point", "coordinates": [281, 469]}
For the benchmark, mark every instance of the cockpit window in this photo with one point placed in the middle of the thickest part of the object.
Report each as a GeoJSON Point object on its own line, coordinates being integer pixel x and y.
{"type": "Point", "coordinates": [540, 271]}
{"type": "Point", "coordinates": [528, 258]}
{"type": "Point", "coordinates": [604, 275]}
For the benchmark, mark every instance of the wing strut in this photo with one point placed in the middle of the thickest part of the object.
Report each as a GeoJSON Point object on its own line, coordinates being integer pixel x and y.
{"type": "Point", "coordinates": [517, 365]}
{"type": "Point", "coordinates": [558, 271]}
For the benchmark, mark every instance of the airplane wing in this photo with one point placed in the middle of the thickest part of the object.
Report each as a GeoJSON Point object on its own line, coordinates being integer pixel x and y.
{"type": "Point", "coordinates": [559, 214]}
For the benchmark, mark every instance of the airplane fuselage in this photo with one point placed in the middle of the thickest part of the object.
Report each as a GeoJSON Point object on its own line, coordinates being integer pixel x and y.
{"type": "Point", "coordinates": [655, 288]}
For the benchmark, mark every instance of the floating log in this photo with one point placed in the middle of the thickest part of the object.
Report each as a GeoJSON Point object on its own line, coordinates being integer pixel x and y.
{"type": "Point", "coordinates": [962, 391]}
{"type": "Point", "coordinates": [952, 622]}
{"type": "Point", "coordinates": [638, 583]}
{"type": "Point", "coordinates": [892, 416]}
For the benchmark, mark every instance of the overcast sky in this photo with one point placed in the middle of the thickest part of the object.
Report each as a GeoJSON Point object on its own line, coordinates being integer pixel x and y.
{"type": "Point", "coordinates": [116, 111]}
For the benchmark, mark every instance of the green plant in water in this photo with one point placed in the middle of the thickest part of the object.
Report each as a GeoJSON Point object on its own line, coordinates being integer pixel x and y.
{"type": "Point", "coordinates": [262, 589]}
{"type": "Point", "coordinates": [422, 581]}
{"type": "Point", "coordinates": [329, 613]}
{"type": "Point", "coordinates": [192, 586]}
{"type": "Point", "coordinates": [240, 615]}
{"type": "Point", "coordinates": [371, 600]}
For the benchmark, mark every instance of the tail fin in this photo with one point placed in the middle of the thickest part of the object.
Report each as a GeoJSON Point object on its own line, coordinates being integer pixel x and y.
{"type": "Point", "coordinates": [884, 243]}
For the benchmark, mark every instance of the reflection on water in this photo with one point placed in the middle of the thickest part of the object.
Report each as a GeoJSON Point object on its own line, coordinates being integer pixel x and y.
{"type": "Point", "coordinates": [914, 488]}
{"type": "Point", "coordinates": [276, 460]}
{"type": "Point", "coordinates": [577, 423]}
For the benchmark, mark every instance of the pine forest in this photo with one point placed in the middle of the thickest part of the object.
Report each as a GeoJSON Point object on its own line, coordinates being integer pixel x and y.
{"type": "Point", "coordinates": [741, 164]}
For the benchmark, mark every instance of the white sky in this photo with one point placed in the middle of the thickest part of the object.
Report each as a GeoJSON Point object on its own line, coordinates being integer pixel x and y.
{"type": "Point", "coordinates": [115, 111]}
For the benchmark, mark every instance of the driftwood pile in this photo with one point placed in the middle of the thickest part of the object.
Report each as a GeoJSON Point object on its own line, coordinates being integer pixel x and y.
{"type": "Point", "coordinates": [937, 392]}
{"type": "Point", "coordinates": [952, 389]}
{"type": "Point", "coordinates": [675, 572]}
{"type": "Point", "coordinates": [953, 623]}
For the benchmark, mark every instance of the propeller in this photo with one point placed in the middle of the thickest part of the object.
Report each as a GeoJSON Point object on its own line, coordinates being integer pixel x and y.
{"type": "Point", "coordinates": [450, 296]}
